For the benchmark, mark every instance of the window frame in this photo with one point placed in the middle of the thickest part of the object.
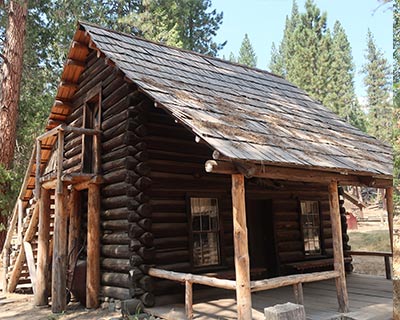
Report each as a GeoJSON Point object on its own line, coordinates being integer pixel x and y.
{"type": "Point", "coordinates": [221, 252]}
{"type": "Point", "coordinates": [92, 97]}
{"type": "Point", "coordinates": [322, 252]}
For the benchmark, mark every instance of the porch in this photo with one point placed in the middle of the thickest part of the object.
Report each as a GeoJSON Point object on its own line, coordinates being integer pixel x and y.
{"type": "Point", "coordinates": [370, 297]}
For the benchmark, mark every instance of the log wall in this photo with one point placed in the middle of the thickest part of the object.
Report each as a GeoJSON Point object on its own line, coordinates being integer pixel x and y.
{"type": "Point", "coordinates": [126, 240]}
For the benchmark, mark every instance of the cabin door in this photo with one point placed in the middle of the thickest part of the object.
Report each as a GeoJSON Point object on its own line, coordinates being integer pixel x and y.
{"type": "Point", "coordinates": [261, 236]}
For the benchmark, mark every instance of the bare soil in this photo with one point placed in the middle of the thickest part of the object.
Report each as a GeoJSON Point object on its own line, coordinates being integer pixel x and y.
{"type": "Point", "coordinates": [20, 306]}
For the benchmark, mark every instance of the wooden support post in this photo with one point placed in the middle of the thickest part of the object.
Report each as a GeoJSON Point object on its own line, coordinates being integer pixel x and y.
{"type": "Point", "coordinates": [189, 300]}
{"type": "Point", "coordinates": [387, 268]}
{"type": "Point", "coordinates": [341, 287]}
{"type": "Point", "coordinates": [20, 221]}
{"type": "Point", "coordinates": [42, 276]}
{"type": "Point", "coordinates": [93, 247]}
{"type": "Point", "coordinates": [37, 173]}
{"type": "Point", "coordinates": [74, 227]}
{"type": "Point", "coordinates": [242, 265]}
{"type": "Point", "coordinates": [390, 208]}
{"type": "Point", "coordinates": [298, 293]}
{"type": "Point", "coordinates": [60, 240]}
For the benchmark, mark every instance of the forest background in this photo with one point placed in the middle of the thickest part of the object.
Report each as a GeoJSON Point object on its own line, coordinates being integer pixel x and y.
{"type": "Point", "coordinates": [312, 56]}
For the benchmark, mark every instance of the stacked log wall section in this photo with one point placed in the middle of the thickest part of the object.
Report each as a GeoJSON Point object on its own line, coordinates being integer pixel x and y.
{"type": "Point", "coordinates": [126, 240]}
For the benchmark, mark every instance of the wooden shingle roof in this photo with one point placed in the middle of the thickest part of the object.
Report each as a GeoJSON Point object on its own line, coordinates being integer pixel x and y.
{"type": "Point", "coordinates": [244, 113]}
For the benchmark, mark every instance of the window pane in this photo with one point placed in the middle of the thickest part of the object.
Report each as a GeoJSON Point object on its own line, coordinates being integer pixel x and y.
{"type": "Point", "coordinates": [311, 227]}
{"type": "Point", "coordinates": [204, 213]}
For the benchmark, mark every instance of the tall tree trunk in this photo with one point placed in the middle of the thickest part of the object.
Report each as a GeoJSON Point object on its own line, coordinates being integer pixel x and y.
{"type": "Point", "coordinates": [11, 71]}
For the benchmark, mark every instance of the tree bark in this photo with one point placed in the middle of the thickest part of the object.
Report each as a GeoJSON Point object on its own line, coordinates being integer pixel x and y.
{"type": "Point", "coordinates": [11, 78]}
{"type": "Point", "coordinates": [11, 72]}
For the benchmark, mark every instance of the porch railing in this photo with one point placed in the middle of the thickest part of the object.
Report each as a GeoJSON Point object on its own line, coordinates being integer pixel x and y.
{"type": "Point", "coordinates": [260, 285]}
{"type": "Point", "coordinates": [385, 255]}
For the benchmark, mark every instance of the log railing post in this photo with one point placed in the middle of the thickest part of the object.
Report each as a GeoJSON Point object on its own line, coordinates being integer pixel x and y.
{"type": "Point", "coordinates": [93, 247]}
{"type": "Point", "coordinates": [341, 287]}
{"type": "Point", "coordinates": [298, 293]}
{"type": "Point", "coordinates": [242, 265]}
{"type": "Point", "coordinates": [390, 208]}
{"type": "Point", "coordinates": [42, 277]}
{"type": "Point", "coordinates": [60, 240]}
{"type": "Point", "coordinates": [74, 227]}
{"type": "Point", "coordinates": [189, 300]}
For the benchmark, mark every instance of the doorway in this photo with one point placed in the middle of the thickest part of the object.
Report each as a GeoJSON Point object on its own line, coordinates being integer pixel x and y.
{"type": "Point", "coordinates": [260, 225]}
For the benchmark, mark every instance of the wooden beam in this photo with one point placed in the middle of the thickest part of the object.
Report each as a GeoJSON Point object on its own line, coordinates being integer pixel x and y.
{"type": "Point", "coordinates": [189, 300]}
{"type": "Point", "coordinates": [20, 221]}
{"type": "Point", "coordinates": [30, 261]}
{"type": "Point", "coordinates": [76, 63]}
{"type": "Point", "coordinates": [37, 173]}
{"type": "Point", "coordinates": [68, 85]}
{"type": "Point", "coordinates": [341, 287]}
{"type": "Point", "coordinates": [242, 264]}
{"type": "Point", "coordinates": [41, 295]}
{"type": "Point", "coordinates": [49, 184]}
{"type": "Point", "coordinates": [64, 104]}
{"type": "Point", "coordinates": [74, 227]}
{"type": "Point", "coordinates": [298, 293]}
{"type": "Point", "coordinates": [193, 278]}
{"type": "Point", "coordinates": [60, 159]}
{"type": "Point", "coordinates": [294, 174]}
{"type": "Point", "coordinates": [60, 240]}
{"type": "Point", "coordinates": [93, 247]}
{"type": "Point", "coordinates": [390, 208]}
{"type": "Point", "coordinates": [51, 132]}
{"type": "Point", "coordinates": [30, 231]}
{"type": "Point", "coordinates": [277, 282]}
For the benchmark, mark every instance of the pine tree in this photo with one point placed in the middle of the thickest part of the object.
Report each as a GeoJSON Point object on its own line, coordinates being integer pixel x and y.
{"type": "Point", "coordinates": [183, 23]}
{"type": "Point", "coordinates": [341, 97]}
{"type": "Point", "coordinates": [280, 57]}
{"type": "Point", "coordinates": [247, 55]}
{"type": "Point", "coordinates": [377, 81]}
{"type": "Point", "coordinates": [318, 62]}
{"type": "Point", "coordinates": [277, 64]}
{"type": "Point", "coordinates": [232, 57]}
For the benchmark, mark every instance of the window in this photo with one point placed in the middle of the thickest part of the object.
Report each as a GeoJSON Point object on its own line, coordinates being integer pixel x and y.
{"type": "Point", "coordinates": [310, 221]}
{"type": "Point", "coordinates": [91, 120]}
{"type": "Point", "coordinates": [205, 231]}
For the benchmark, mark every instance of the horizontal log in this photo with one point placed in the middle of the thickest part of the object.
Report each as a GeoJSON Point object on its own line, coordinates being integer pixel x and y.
{"type": "Point", "coordinates": [171, 243]}
{"type": "Point", "coordinates": [135, 274]}
{"type": "Point", "coordinates": [116, 95]}
{"type": "Point", "coordinates": [198, 279]}
{"type": "Point", "coordinates": [116, 265]}
{"type": "Point", "coordinates": [121, 175]}
{"type": "Point", "coordinates": [159, 217]}
{"type": "Point", "coordinates": [135, 260]}
{"type": "Point", "coordinates": [116, 279]}
{"type": "Point", "coordinates": [126, 138]}
{"type": "Point", "coordinates": [73, 151]}
{"type": "Point", "coordinates": [130, 112]}
{"type": "Point", "coordinates": [146, 283]}
{"type": "Point", "coordinates": [147, 239]}
{"type": "Point", "coordinates": [147, 254]}
{"type": "Point", "coordinates": [122, 152]}
{"type": "Point", "coordinates": [143, 183]}
{"type": "Point", "coordinates": [118, 202]}
{"type": "Point", "coordinates": [117, 107]}
{"type": "Point", "coordinates": [116, 292]}
{"type": "Point", "coordinates": [148, 299]}
{"type": "Point", "coordinates": [175, 256]}
{"type": "Point", "coordinates": [115, 238]}
{"type": "Point", "coordinates": [115, 251]}
{"type": "Point", "coordinates": [267, 284]}
{"type": "Point", "coordinates": [117, 225]}
{"type": "Point", "coordinates": [119, 189]}
{"type": "Point", "coordinates": [182, 266]}
{"type": "Point", "coordinates": [371, 253]}
{"type": "Point", "coordinates": [115, 83]}
{"type": "Point", "coordinates": [135, 231]}
{"type": "Point", "coordinates": [115, 214]}
{"type": "Point", "coordinates": [169, 230]}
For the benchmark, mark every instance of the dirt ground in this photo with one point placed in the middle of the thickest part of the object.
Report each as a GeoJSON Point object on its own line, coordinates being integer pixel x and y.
{"type": "Point", "coordinates": [20, 307]}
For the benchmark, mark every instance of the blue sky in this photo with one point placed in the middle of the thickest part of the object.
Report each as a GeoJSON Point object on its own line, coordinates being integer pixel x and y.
{"type": "Point", "coordinates": [264, 20]}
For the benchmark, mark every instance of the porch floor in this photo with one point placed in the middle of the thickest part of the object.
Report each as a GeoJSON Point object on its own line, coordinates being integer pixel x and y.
{"type": "Point", "coordinates": [370, 298]}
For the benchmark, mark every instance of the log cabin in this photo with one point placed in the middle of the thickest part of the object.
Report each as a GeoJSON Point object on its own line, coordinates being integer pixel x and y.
{"type": "Point", "coordinates": [161, 167]}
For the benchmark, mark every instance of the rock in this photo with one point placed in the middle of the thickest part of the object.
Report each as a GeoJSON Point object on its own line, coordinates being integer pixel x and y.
{"type": "Point", "coordinates": [287, 311]}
